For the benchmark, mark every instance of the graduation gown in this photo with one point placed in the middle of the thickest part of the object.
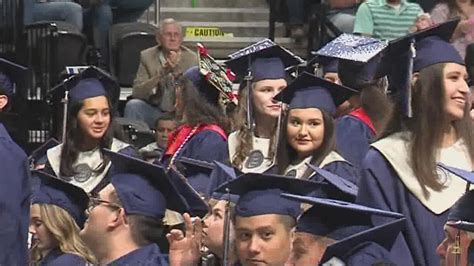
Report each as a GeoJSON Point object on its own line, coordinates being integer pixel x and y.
{"type": "Point", "coordinates": [57, 258]}
{"type": "Point", "coordinates": [87, 180]}
{"type": "Point", "coordinates": [333, 163]}
{"type": "Point", "coordinates": [354, 133]}
{"type": "Point", "coordinates": [387, 182]}
{"type": "Point", "coordinates": [206, 145]}
{"type": "Point", "coordinates": [14, 202]}
{"type": "Point", "coordinates": [147, 255]}
{"type": "Point", "coordinates": [367, 253]}
{"type": "Point", "coordinates": [258, 160]}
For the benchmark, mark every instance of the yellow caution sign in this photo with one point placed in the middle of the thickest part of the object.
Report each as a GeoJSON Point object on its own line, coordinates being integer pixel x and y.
{"type": "Point", "coordinates": [207, 32]}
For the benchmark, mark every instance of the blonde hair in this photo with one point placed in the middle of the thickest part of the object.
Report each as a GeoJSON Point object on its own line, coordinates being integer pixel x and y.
{"type": "Point", "coordinates": [245, 135]}
{"type": "Point", "coordinates": [65, 230]}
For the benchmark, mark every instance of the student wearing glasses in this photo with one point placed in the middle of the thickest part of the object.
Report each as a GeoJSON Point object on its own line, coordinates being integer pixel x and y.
{"type": "Point", "coordinates": [125, 218]}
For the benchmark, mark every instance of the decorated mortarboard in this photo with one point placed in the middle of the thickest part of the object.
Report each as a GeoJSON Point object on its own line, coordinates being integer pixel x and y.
{"type": "Point", "coordinates": [309, 91]}
{"type": "Point", "coordinates": [144, 188]}
{"type": "Point", "coordinates": [347, 223]}
{"type": "Point", "coordinates": [260, 193]}
{"type": "Point", "coordinates": [216, 75]}
{"type": "Point", "coordinates": [91, 82]}
{"type": "Point", "coordinates": [360, 59]}
{"type": "Point", "coordinates": [11, 74]}
{"type": "Point", "coordinates": [40, 152]}
{"type": "Point", "coordinates": [54, 191]}
{"type": "Point", "coordinates": [265, 60]}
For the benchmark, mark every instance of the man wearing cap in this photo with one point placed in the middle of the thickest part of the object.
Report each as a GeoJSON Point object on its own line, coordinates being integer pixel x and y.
{"type": "Point", "coordinates": [15, 188]}
{"type": "Point", "coordinates": [153, 91]}
{"type": "Point", "coordinates": [125, 219]}
{"type": "Point", "coordinates": [323, 235]}
{"type": "Point", "coordinates": [264, 221]}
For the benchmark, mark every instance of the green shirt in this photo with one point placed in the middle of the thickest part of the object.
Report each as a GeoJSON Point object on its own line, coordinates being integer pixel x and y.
{"type": "Point", "coordinates": [383, 21]}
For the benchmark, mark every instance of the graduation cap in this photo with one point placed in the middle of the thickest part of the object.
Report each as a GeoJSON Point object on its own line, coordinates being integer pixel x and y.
{"type": "Point", "coordinates": [347, 223]}
{"type": "Point", "coordinates": [360, 59]}
{"type": "Point", "coordinates": [260, 193]}
{"type": "Point", "coordinates": [10, 74]}
{"type": "Point", "coordinates": [309, 91]}
{"type": "Point", "coordinates": [415, 51]}
{"type": "Point", "coordinates": [264, 60]}
{"type": "Point", "coordinates": [338, 182]}
{"type": "Point", "coordinates": [40, 152]}
{"type": "Point", "coordinates": [212, 76]}
{"type": "Point", "coordinates": [197, 205]}
{"type": "Point", "coordinates": [54, 191]}
{"type": "Point", "coordinates": [462, 213]}
{"type": "Point", "coordinates": [324, 64]}
{"type": "Point", "coordinates": [144, 188]}
{"type": "Point", "coordinates": [221, 174]}
{"type": "Point", "coordinates": [89, 83]}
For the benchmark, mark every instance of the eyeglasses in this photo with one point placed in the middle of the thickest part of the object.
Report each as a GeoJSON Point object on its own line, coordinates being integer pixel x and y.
{"type": "Point", "coordinates": [94, 202]}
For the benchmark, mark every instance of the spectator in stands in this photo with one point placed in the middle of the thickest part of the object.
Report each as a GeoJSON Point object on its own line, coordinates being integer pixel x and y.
{"type": "Point", "coordinates": [101, 14]}
{"type": "Point", "coordinates": [422, 22]}
{"type": "Point", "coordinates": [386, 19]}
{"type": "Point", "coordinates": [464, 33]}
{"type": "Point", "coordinates": [53, 10]}
{"type": "Point", "coordinates": [165, 125]}
{"type": "Point", "coordinates": [153, 91]}
{"type": "Point", "coordinates": [341, 14]}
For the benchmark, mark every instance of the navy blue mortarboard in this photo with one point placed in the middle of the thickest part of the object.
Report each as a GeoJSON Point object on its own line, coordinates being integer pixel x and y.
{"type": "Point", "coordinates": [327, 64]}
{"type": "Point", "coordinates": [461, 215]}
{"type": "Point", "coordinates": [347, 223]}
{"type": "Point", "coordinates": [54, 191]}
{"type": "Point", "coordinates": [266, 60]}
{"type": "Point", "coordinates": [91, 82]}
{"type": "Point", "coordinates": [10, 75]}
{"type": "Point", "coordinates": [144, 188]}
{"type": "Point", "coordinates": [360, 59]}
{"type": "Point", "coordinates": [40, 152]}
{"type": "Point", "coordinates": [415, 51]}
{"type": "Point", "coordinates": [466, 175]}
{"type": "Point", "coordinates": [197, 205]}
{"type": "Point", "coordinates": [309, 91]}
{"type": "Point", "coordinates": [260, 194]}
{"type": "Point", "coordinates": [336, 181]}
{"type": "Point", "coordinates": [221, 174]}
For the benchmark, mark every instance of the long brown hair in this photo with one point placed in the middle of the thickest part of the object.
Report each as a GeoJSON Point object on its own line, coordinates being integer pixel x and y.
{"type": "Point", "coordinates": [245, 135]}
{"type": "Point", "coordinates": [285, 153]}
{"type": "Point", "coordinates": [65, 230]}
{"type": "Point", "coordinates": [428, 124]}
{"type": "Point", "coordinates": [376, 104]}
{"type": "Point", "coordinates": [196, 108]}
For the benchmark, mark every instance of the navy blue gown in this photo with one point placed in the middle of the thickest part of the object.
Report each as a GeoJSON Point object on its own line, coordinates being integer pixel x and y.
{"type": "Point", "coordinates": [353, 138]}
{"type": "Point", "coordinates": [57, 258]}
{"type": "Point", "coordinates": [380, 187]}
{"type": "Point", "coordinates": [14, 202]}
{"type": "Point", "coordinates": [206, 145]}
{"type": "Point", "coordinates": [147, 255]}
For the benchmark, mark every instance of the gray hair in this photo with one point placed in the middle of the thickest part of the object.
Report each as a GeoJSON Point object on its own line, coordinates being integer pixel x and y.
{"type": "Point", "coordinates": [169, 21]}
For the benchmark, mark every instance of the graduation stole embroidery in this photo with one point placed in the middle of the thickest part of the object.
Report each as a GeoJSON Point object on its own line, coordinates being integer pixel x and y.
{"type": "Point", "coordinates": [360, 114]}
{"type": "Point", "coordinates": [185, 132]}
